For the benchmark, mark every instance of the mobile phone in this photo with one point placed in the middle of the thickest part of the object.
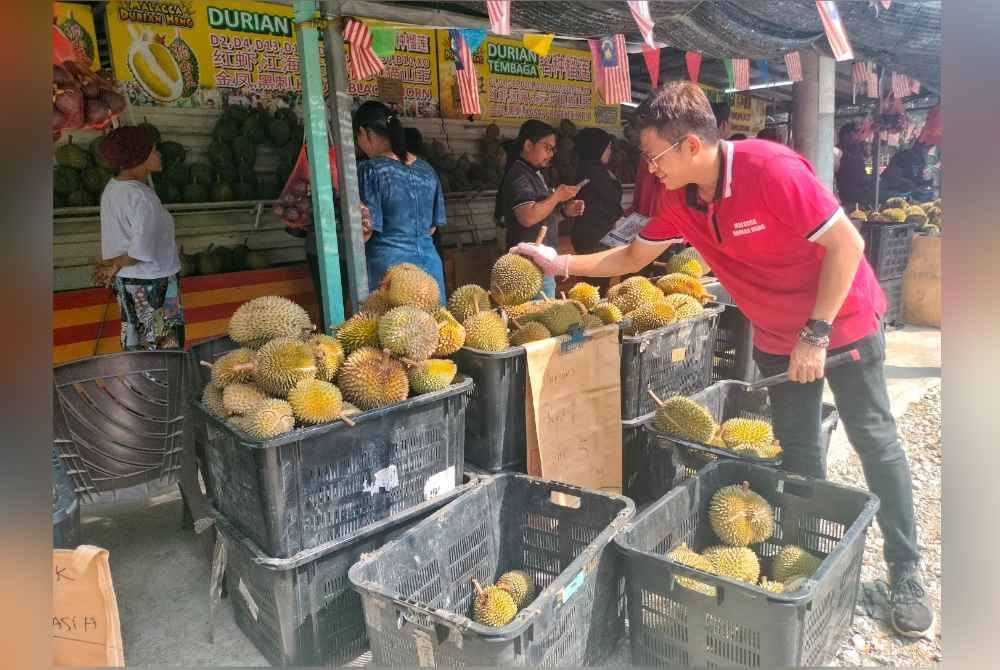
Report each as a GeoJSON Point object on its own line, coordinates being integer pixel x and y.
{"type": "Point", "coordinates": [583, 183]}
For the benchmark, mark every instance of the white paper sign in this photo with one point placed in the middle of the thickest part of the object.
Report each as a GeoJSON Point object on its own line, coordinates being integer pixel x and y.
{"type": "Point", "coordinates": [625, 230]}
{"type": "Point", "coordinates": [439, 484]}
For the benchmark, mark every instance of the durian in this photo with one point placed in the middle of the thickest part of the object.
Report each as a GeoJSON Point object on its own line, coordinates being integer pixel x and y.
{"type": "Point", "coordinates": [315, 401]}
{"type": "Point", "coordinates": [235, 367]}
{"type": "Point", "coordinates": [651, 316]}
{"type": "Point", "coordinates": [519, 585]}
{"type": "Point", "coordinates": [431, 375]}
{"type": "Point", "coordinates": [608, 313]}
{"type": "Point", "coordinates": [795, 583]}
{"type": "Point", "coordinates": [793, 561]}
{"type": "Point", "coordinates": [588, 294]}
{"type": "Point", "coordinates": [463, 300]}
{"type": "Point", "coordinates": [486, 331]}
{"type": "Point", "coordinates": [371, 378]}
{"type": "Point", "coordinates": [685, 306]}
{"type": "Point", "coordinates": [271, 418]}
{"type": "Point", "coordinates": [633, 293]}
{"type": "Point", "coordinates": [211, 397]}
{"type": "Point", "coordinates": [589, 321]}
{"type": "Point", "coordinates": [412, 287]}
{"type": "Point", "coordinates": [894, 214]}
{"type": "Point", "coordinates": [678, 282]}
{"type": "Point", "coordinates": [858, 214]}
{"type": "Point", "coordinates": [560, 317]}
{"type": "Point", "coordinates": [692, 559]}
{"type": "Point", "coordinates": [740, 432]}
{"type": "Point", "coordinates": [329, 356]}
{"type": "Point", "coordinates": [896, 203]}
{"type": "Point", "coordinates": [686, 264]}
{"type": "Point", "coordinates": [740, 517]}
{"type": "Point", "coordinates": [514, 280]}
{"type": "Point", "coordinates": [492, 606]}
{"type": "Point", "coordinates": [451, 334]}
{"type": "Point", "coordinates": [408, 332]}
{"type": "Point", "coordinates": [282, 363]}
{"type": "Point", "coordinates": [772, 587]}
{"type": "Point", "coordinates": [529, 332]}
{"type": "Point", "coordinates": [684, 418]}
{"type": "Point", "coordinates": [739, 563]}
{"type": "Point", "coordinates": [361, 330]}
{"type": "Point", "coordinates": [376, 303]}
{"type": "Point", "coordinates": [525, 310]}
{"type": "Point", "coordinates": [241, 399]}
{"type": "Point", "coordinates": [268, 317]}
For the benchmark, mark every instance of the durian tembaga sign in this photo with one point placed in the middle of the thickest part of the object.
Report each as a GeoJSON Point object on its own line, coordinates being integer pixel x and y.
{"type": "Point", "coordinates": [76, 21]}
{"type": "Point", "coordinates": [516, 84]}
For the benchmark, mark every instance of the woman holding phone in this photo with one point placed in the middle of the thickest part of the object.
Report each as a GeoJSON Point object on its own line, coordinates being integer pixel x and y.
{"type": "Point", "coordinates": [602, 194]}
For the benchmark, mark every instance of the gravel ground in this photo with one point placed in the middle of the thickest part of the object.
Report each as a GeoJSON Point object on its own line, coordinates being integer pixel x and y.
{"type": "Point", "coordinates": [871, 640]}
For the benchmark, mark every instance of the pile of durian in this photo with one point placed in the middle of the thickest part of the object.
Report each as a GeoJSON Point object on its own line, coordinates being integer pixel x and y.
{"type": "Point", "coordinates": [685, 419]}
{"type": "Point", "coordinates": [285, 374]}
{"type": "Point", "coordinates": [739, 517]}
{"type": "Point", "coordinates": [926, 216]}
{"type": "Point", "coordinates": [498, 604]}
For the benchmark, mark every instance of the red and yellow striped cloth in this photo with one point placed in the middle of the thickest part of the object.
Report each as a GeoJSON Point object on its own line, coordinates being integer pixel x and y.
{"type": "Point", "coordinates": [208, 303]}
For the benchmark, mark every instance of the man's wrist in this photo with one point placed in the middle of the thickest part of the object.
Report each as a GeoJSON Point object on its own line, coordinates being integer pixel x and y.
{"type": "Point", "coordinates": [812, 339]}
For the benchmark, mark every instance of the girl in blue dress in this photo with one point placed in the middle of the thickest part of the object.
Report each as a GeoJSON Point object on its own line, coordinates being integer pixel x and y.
{"type": "Point", "coordinates": [403, 195]}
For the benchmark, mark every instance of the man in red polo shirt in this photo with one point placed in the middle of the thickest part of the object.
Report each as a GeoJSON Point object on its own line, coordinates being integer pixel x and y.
{"type": "Point", "coordinates": [779, 241]}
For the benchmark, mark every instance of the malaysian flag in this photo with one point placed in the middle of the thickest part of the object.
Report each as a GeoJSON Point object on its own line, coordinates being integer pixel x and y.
{"type": "Point", "coordinates": [465, 74]}
{"type": "Point", "coordinates": [741, 74]}
{"type": "Point", "coordinates": [863, 77]}
{"type": "Point", "coordinates": [794, 65]}
{"type": "Point", "coordinates": [902, 86]}
{"type": "Point", "coordinates": [693, 61]}
{"type": "Point", "coordinates": [834, 27]}
{"type": "Point", "coordinates": [611, 69]}
{"type": "Point", "coordinates": [364, 62]}
{"type": "Point", "coordinates": [643, 19]}
{"type": "Point", "coordinates": [499, 16]}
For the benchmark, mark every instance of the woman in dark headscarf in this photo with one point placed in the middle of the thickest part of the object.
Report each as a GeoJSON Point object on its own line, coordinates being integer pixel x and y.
{"type": "Point", "coordinates": [602, 196]}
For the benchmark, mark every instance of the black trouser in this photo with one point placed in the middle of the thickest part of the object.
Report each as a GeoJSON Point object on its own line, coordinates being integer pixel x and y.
{"type": "Point", "coordinates": [862, 400]}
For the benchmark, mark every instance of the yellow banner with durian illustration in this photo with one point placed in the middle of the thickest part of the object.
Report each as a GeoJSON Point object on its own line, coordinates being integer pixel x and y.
{"type": "Point", "coordinates": [76, 21]}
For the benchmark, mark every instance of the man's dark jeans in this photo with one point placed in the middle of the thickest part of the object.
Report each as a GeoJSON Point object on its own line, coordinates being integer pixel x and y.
{"type": "Point", "coordinates": [862, 399]}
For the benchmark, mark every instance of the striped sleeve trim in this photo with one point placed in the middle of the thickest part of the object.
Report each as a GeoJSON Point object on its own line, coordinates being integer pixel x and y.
{"type": "Point", "coordinates": [669, 240]}
{"type": "Point", "coordinates": [825, 226]}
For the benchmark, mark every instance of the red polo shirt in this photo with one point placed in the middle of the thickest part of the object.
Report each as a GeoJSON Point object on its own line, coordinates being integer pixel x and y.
{"type": "Point", "coordinates": [758, 235]}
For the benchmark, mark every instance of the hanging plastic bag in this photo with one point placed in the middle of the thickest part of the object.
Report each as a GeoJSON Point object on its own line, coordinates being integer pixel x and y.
{"type": "Point", "coordinates": [86, 631]}
{"type": "Point", "coordinates": [294, 205]}
{"type": "Point", "coordinates": [81, 98]}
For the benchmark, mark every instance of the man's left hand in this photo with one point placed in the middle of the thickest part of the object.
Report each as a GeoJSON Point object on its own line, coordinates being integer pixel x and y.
{"type": "Point", "coordinates": [807, 363]}
{"type": "Point", "coordinates": [573, 208]}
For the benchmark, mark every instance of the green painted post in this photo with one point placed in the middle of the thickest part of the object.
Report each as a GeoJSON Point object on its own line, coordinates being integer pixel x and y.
{"type": "Point", "coordinates": [314, 106]}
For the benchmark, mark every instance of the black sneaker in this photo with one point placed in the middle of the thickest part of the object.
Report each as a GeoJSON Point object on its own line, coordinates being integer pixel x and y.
{"type": "Point", "coordinates": [911, 613]}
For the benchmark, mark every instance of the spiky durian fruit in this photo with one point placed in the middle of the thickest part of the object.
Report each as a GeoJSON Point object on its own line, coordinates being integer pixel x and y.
{"type": "Point", "coordinates": [740, 432]}
{"type": "Point", "coordinates": [894, 214]}
{"type": "Point", "coordinates": [371, 378]}
{"type": "Point", "coordinates": [451, 334]}
{"type": "Point", "coordinates": [685, 306]}
{"type": "Point", "coordinates": [315, 401]}
{"type": "Point", "coordinates": [486, 331]}
{"type": "Point", "coordinates": [793, 561]}
{"type": "Point", "coordinates": [361, 330]}
{"type": "Point", "coordinates": [740, 517]}
{"type": "Point", "coordinates": [211, 397]}
{"type": "Point", "coordinates": [412, 287]}
{"type": "Point", "coordinates": [686, 264]}
{"type": "Point", "coordinates": [608, 313]}
{"type": "Point", "coordinates": [463, 301]}
{"type": "Point", "coordinates": [795, 583]}
{"type": "Point", "coordinates": [633, 293]}
{"type": "Point", "coordinates": [271, 418]}
{"type": "Point", "coordinates": [692, 559]}
{"type": "Point", "coordinates": [684, 418]}
{"type": "Point", "coordinates": [431, 375]}
{"type": "Point", "coordinates": [241, 398]}
{"type": "Point", "coordinates": [526, 309]}
{"type": "Point", "coordinates": [651, 316]}
{"type": "Point", "coordinates": [266, 318]}
{"type": "Point", "coordinates": [858, 214]}
{"type": "Point", "coordinates": [514, 279]}
{"type": "Point", "coordinates": [329, 356]}
{"type": "Point", "coordinates": [282, 363]}
{"type": "Point", "coordinates": [772, 587]}
{"type": "Point", "coordinates": [492, 606]}
{"type": "Point", "coordinates": [376, 303]}
{"type": "Point", "coordinates": [408, 332]}
{"type": "Point", "coordinates": [678, 282]}
{"type": "Point", "coordinates": [560, 317]}
{"type": "Point", "coordinates": [588, 294]}
{"type": "Point", "coordinates": [896, 203]}
{"type": "Point", "coordinates": [235, 367]}
{"type": "Point", "coordinates": [531, 331]}
{"type": "Point", "coordinates": [519, 585]}
{"type": "Point", "coordinates": [738, 563]}
{"type": "Point", "coordinates": [589, 321]}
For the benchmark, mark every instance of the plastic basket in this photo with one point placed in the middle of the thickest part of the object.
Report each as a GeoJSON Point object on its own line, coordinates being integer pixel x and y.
{"type": "Point", "coordinates": [315, 485]}
{"type": "Point", "coordinates": [494, 423]}
{"type": "Point", "coordinates": [893, 289]}
{"type": "Point", "coordinates": [669, 360]}
{"type": "Point", "coordinates": [733, 355]}
{"type": "Point", "coordinates": [888, 247]}
{"type": "Point", "coordinates": [742, 625]}
{"type": "Point", "coordinates": [302, 610]}
{"type": "Point", "coordinates": [417, 591]}
{"type": "Point", "coordinates": [199, 376]}
{"type": "Point", "coordinates": [648, 470]}
{"type": "Point", "coordinates": [65, 508]}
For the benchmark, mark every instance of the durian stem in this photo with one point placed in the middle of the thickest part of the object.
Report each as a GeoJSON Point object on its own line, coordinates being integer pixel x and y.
{"type": "Point", "coordinates": [541, 235]}
{"type": "Point", "coordinates": [346, 419]}
{"type": "Point", "coordinates": [563, 294]}
{"type": "Point", "coordinates": [206, 364]}
{"type": "Point", "coordinates": [655, 398]}
{"type": "Point", "coordinates": [477, 587]}
{"type": "Point", "coordinates": [243, 367]}
{"type": "Point", "coordinates": [659, 264]}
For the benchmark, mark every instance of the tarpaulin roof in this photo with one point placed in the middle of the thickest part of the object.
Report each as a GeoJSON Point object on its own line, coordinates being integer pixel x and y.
{"type": "Point", "coordinates": [906, 37]}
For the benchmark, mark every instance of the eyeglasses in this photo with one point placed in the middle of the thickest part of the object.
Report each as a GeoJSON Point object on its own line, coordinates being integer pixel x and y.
{"type": "Point", "coordinates": [549, 148]}
{"type": "Point", "coordinates": [652, 160]}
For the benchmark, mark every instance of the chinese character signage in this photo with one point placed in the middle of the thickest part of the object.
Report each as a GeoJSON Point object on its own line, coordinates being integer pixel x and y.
{"type": "Point", "coordinates": [414, 65]}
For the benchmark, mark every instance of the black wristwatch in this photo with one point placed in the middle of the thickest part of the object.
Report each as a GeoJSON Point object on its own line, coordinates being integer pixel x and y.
{"type": "Point", "coordinates": [819, 328]}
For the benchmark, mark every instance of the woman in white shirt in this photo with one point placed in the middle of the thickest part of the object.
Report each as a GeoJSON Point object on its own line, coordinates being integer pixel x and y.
{"type": "Point", "coordinates": [138, 247]}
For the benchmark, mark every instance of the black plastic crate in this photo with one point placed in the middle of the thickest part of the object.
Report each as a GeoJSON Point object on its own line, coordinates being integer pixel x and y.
{"type": "Point", "coordinates": [648, 470]}
{"type": "Point", "coordinates": [733, 355]}
{"type": "Point", "coordinates": [742, 625]}
{"type": "Point", "coordinates": [65, 507]}
{"type": "Point", "coordinates": [417, 591]}
{"type": "Point", "coordinates": [893, 289]}
{"type": "Point", "coordinates": [888, 247]}
{"type": "Point", "coordinates": [669, 360]}
{"type": "Point", "coordinates": [315, 485]}
{"type": "Point", "coordinates": [302, 610]}
{"type": "Point", "coordinates": [494, 423]}
{"type": "Point", "coordinates": [208, 351]}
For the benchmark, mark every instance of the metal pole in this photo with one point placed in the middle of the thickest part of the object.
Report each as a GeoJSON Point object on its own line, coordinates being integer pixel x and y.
{"type": "Point", "coordinates": [805, 107]}
{"type": "Point", "coordinates": [877, 148]}
{"type": "Point", "coordinates": [307, 37]}
{"type": "Point", "coordinates": [825, 126]}
{"type": "Point", "coordinates": [347, 167]}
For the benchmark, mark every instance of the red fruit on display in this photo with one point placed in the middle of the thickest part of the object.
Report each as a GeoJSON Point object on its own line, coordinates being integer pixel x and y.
{"type": "Point", "coordinates": [97, 112]}
{"type": "Point", "coordinates": [300, 187]}
{"type": "Point", "coordinates": [114, 100]}
{"type": "Point", "coordinates": [60, 77]}
{"type": "Point", "coordinates": [279, 210]}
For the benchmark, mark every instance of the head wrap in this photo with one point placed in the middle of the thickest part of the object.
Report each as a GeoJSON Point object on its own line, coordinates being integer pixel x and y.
{"type": "Point", "coordinates": [127, 147]}
{"type": "Point", "coordinates": [591, 143]}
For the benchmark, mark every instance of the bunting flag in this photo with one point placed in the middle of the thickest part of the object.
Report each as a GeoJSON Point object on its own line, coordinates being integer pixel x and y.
{"type": "Point", "coordinates": [741, 73]}
{"type": "Point", "coordinates": [383, 40]}
{"type": "Point", "coordinates": [643, 19]}
{"type": "Point", "coordinates": [539, 44]}
{"type": "Point", "coordinates": [611, 69]}
{"type": "Point", "coordinates": [499, 16]}
{"type": "Point", "coordinates": [465, 74]}
{"type": "Point", "coordinates": [931, 132]}
{"type": "Point", "coordinates": [901, 85]}
{"type": "Point", "coordinates": [693, 61]}
{"type": "Point", "coordinates": [863, 77]}
{"type": "Point", "coordinates": [364, 62]}
{"type": "Point", "coordinates": [794, 64]}
{"type": "Point", "coordinates": [473, 37]}
{"type": "Point", "coordinates": [652, 58]}
{"type": "Point", "coordinates": [765, 71]}
{"type": "Point", "coordinates": [728, 62]}
{"type": "Point", "coordinates": [871, 80]}
{"type": "Point", "coordinates": [834, 27]}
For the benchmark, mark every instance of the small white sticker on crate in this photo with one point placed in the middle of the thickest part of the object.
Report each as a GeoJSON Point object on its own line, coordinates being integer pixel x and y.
{"type": "Point", "coordinates": [385, 479]}
{"type": "Point", "coordinates": [439, 484]}
{"type": "Point", "coordinates": [678, 354]}
{"type": "Point", "coordinates": [574, 586]}
{"type": "Point", "coordinates": [425, 649]}
{"type": "Point", "coordinates": [251, 605]}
